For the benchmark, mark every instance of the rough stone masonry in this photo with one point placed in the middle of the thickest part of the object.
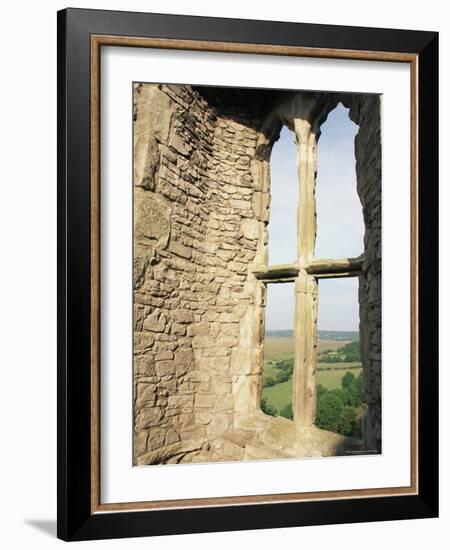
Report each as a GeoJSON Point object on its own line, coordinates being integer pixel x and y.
{"type": "Point", "coordinates": [201, 209]}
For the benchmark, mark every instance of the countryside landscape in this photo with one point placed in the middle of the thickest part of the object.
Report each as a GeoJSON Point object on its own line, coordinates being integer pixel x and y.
{"type": "Point", "coordinates": [340, 386]}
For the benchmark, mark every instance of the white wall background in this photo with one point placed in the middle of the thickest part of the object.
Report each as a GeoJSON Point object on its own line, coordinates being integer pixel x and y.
{"type": "Point", "coordinates": [28, 273]}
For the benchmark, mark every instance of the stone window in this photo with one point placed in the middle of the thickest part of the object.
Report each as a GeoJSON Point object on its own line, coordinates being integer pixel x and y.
{"type": "Point", "coordinates": [307, 270]}
{"type": "Point", "coordinates": [201, 268]}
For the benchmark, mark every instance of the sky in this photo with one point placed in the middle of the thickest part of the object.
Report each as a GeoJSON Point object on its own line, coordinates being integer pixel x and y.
{"type": "Point", "coordinates": [340, 226]}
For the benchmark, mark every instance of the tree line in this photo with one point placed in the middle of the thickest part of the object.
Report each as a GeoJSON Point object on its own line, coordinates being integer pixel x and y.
{"type": "Point", "coordinates": [338, 410]}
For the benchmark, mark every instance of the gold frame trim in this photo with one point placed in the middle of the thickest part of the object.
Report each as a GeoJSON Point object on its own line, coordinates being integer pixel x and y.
{"type": "Point", "coordinates": [230, 47]}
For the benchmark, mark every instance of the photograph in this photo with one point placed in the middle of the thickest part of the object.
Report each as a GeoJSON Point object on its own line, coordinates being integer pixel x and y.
{"type": "Point", "coordinates": [247, 274]}
{"type": "Point", "coordinates": [256, 273]}
{"type": "Point", "coordinates": [221, 283]}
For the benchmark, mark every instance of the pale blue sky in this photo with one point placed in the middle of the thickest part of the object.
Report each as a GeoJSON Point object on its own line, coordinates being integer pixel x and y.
{"type": "Point", "coordinates": [339, 219]}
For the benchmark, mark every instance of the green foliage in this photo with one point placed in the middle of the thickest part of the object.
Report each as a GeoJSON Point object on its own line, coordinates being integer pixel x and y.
{"type": "Point", "coordinates": [329, 410]}
{"type": "Point", "coordinates": [320, 390]}
{"type": "Point", "coordinates": [354, 388]}
{"type": "Point", "coordinates": [347, 380]}
{"type": "Point", "coordinates": [287, 412]}
{"type": "Point", "coordinates": [282, 376]}
{"type": "Point", "coordinates": [349, 353]}
{"type": "Point", "coordinates": [332, 357]}
{"type": "Point", "coordinates": [267, 408]}
{"type": "Point", "coordinates": [348, 422]}
{"type": "Point", "coordinates": [268, 382]}
{"type": "Point", "coordinates": [339, 410]}
{"type": "Point", "coordinates": [352, 352]}
{"type": "Point", "coordinates": [287, 365]}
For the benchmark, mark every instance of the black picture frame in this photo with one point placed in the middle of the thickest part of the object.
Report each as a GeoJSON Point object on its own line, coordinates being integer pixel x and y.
{"type": "Point", "coordinates": [76, 521]}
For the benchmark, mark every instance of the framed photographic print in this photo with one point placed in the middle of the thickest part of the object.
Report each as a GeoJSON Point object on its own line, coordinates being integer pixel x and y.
{"type": "Point", "coordinates": [247, 274]}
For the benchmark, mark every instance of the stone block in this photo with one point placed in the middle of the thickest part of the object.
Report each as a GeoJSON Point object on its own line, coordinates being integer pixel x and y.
{"type": "Point", "coordinates": [182, 401]}
{"type": "Point", "coordinates": [198, 329]}
{"type": "Point", "coordinates": [151, 219]}
{"type": "Point", "coordinates": [218, 425]}
{"type": "Point", "coordinates": [144, 365]}
{"type": "Point", "coordinates": [250, 229]}
{"type": "Point", "coordinates": [163, 355]}
{"type": "Point", "coordinates": [145, 393]}
{"type": "Point", "coordinates": [203, 418]}
{"type": "Point", "coordinates": [143, 342]}
{"type": "Point", "coordinates": [203, 342]}
{"type": "Point", "coordinates": [148, 417]}
{"type": "Point", "coordinates": [213, 362]}
{"type": "Point", "coordinates": [228, 318]}
{"type": "Point", "coordinates": [178, 329]}
{"type": "Point", "coordinates": [184, 357]}
{"type": "Point", "coordinates": [204, 400]}
{"type": "Point", "coordinates": [183, 316]}
{"type": "Point", "coordinates": [165, 368]}
{"type": "Point", "coordinates": [155, 322]}
{"type": "Point", "coordinates": [181, 250]}
{"type": "Point", "coordinates": [171, 437]}
{"type": "Point", "coordinates": [140, 442]}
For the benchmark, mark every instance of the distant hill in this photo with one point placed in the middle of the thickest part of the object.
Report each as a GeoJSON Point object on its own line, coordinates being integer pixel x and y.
{"type": "Point", "coordinates": [322, 334]}
{"type": "Point", "coordinates": [338, 334]}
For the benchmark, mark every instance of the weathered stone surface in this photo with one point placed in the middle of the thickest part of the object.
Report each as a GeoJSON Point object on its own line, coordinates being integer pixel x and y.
{"type": "Point", "coordinates": [152, 124]}
{"type": "Point", "coordinates": [198, 329]}
{"type": "Point", "coordinates": [202, 198]}
{"type": "Point", "coordinates": [144, 365]}
{"type": "Point", "coordinates": [214, 363]}
{"type": "Point", "coordinates": [203, 418]}
{"type": "Point", "coordinates": [151, 219]}
{"type": "Point", "coordinates": [148, 417]}
{"type": "Point", "coordinates": [250, 229]}
{"type": "Point", "coordinates": [203, 400]}
{"type": "Point", "coordinates": [143, 342]}
{"type": "Point", "coordinates": [184, 357]}
{"type": "Point", "coordinates": [180, 401]}
{"type": "Point", "coordinates": [155, 322]}
{"type": "Point", "coordinates": [203, 341]}
{"type": "Point", "coordinates": [180, 250]}
{"type": "Point", "coordinates": [140, 442]}
{"type": "Point", "coordinates": [146, 393]}
{"type": "Point", "coordinates": [246, 361]}
{"type": "Point", "coordinates": [164, 453]}
{"type": "Point", "coordinates": [165, 368]}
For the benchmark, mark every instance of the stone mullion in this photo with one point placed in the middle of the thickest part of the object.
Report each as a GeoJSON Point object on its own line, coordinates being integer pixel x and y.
{"type": "Point", "coordinates": [305, 323]}
{"type": "Point", "coordinates": [305, 345]}
{"type": "Point", "coordinates": [344, 267]}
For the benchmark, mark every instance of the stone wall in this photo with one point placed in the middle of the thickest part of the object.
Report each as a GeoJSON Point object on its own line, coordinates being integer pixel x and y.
{"type": "Point", "coordinates": [197, 229]}
{"type": "Point", "coordinates": [201, 176]}
{"type": "Point", "coordinates": [365, 111]}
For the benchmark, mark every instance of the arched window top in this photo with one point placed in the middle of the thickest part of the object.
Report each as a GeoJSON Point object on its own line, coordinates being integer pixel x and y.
{"type": "Point", "coordinates": [293, 255]}
{"type": "Point", "coordinates": [284, 193]}
{"type": "Point", "coordinates": [340, 223]}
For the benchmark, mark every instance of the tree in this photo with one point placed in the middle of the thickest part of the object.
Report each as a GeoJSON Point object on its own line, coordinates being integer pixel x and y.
{"type": "Point", "coordinates": [329, 409]}
{"type": "Point", "coordinates": [267, 408]}
{"type": "Point", "coordinates": [360, 388]}
{"type": "Point", "coordinates": [268, 382]}
{"type": "Point", "coordinates": [287, 412]}
{"type": "Point", "coordinates": [348, 422]}
{"type": "Point", "coordinates": [282, 376]}
{"type": "Point", "coordinates": [348, 380]}
{"type": "Point", "coordinates": [352, 389]}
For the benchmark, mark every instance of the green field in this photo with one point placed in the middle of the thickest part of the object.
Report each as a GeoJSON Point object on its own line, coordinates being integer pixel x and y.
{"type": "Point", "coordinates": [282, 348]}
{"type": "Point", "coordinates": [331, 379]}
{"type": "Point", "coordinates": [277, 346]}
{"type": "Point", "coordinates": [280, 395]}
